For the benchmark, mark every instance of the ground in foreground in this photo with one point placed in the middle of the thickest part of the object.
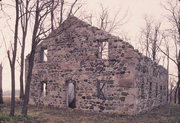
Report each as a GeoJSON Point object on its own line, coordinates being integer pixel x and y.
{"type": "Point", "coordinates": [163, 114]}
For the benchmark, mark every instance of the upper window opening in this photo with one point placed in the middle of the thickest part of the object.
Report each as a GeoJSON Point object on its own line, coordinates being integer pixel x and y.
{"type": "Point", "coordinates": [45, 51]}
{"type": "Point", "coordinates": [104, 50]}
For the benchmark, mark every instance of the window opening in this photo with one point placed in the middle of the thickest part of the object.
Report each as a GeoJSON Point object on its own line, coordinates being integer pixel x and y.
{"type": "Point", "coordinates": [103, 49]}
{"type": "Point", "coordinates": [45, 51]}
{"type": "Point", "coordinates": [44, 89]}
{"type": "Point", "coordinates": [102, 90]}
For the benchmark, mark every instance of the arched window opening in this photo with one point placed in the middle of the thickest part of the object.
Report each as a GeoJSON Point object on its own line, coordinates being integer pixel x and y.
{"type": "Point", "coordinates": [44, 89]}
{"type": "Point", "coordinates": [70, 94]}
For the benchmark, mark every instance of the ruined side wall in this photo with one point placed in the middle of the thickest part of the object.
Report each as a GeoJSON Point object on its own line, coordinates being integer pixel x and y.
{"type": "Point", "coordinates": [152, 82]}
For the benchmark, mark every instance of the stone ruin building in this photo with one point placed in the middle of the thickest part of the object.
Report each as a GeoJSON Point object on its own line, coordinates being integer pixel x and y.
{"type": "Point", "coordinates": [80, 66]}
{"type": "Point", "coordinates": [1, 91]}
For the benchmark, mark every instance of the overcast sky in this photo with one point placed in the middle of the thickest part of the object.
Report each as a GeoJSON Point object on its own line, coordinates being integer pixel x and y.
{"type": "Point", "coordinates": [137, 9]}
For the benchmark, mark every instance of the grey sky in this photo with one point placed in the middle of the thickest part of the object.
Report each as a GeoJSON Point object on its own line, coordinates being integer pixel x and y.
{"type": "Point", "coordinates": [137, 9]}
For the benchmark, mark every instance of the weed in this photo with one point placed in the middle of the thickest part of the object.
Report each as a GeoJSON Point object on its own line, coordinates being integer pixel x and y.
{"type": "Point", "coordinates": [4, 116]}
{"type": "Point", "coordinates": [173, 120]}
{"type": "Point", "coordinates": [175, 106]}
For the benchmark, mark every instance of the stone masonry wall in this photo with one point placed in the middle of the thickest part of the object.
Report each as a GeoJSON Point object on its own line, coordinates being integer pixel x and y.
{"type": "Point", "coordinates": [152, 80]}
{"type": "Point", "coordinates": [105, 85]}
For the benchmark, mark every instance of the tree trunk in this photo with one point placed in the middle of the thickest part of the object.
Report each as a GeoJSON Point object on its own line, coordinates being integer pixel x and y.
{"type": "Point", "coordinates": [168, 77]}
{"type": "Point", "coordinates": [21, 96]}
{"type": "Point", "coordinates": [1, 91]}
{"type": "Point", "coordinates": [178, 94]}
{"type": "Point", "coordinates": [170, 95]}
{"type": "Point", "coordinates": [154, 44]}
{"type": "Point", "coordinates": [24, 25]}
{"type": "Point", "coordinates": [52, 16]}
{"type": "Point", "coordinates": [12, 91]}
{"type": "Point", "coordinates": [28, 81]}
{"type": "Point", "coordinates": [31, 61]}
{"type": "Point", "coordinates": [13, 60]}
{"type": "Point", "coordinates": [178, 83]}
{"type": "Point", "coordinates": [61, 13]}
{"type": "Point", "coordinates": [1, 96]}
{"type": "Point", "coordinates": [175, 96]}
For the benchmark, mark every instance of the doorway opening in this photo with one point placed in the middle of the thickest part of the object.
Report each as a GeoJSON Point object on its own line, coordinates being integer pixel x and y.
{"type": "Point", "coordinates": [71, 99]}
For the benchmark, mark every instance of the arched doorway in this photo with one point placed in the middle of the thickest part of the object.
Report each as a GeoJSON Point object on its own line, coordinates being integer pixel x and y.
{"type": "Point", "coordinates": [71, 99]}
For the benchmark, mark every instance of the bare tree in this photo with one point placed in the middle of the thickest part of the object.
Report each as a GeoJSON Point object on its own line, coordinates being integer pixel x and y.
{"type": "Point", "coordinates": [12, 60]}
{"type": "Point", "coordinates": [167, 67]}
{"type": "Point", "coordinates": [61, 9]}
{"type": "Point", "coordinates": [151, 38]}
{"type": "Point", "coordinates": [1, 91]}
{"type": "Point", "coordinates": [146, 34]}
{"type": "Point", "coordinates": [1, 4]}
{"type": "Point", "coordinates": [24, 20]}
{"type": "Point", "coordinates": [42, 10]}
{"type": "Point", "coordinates": [172, 7]}
{"type": "Point", "coordinates": [156, 41]}
{"type": "Point", "coordinates": [52, 15]}
{"type": "Point", "coordinates": [108, 24]}
{"type": "Point", "coordinates": [61, 12]}
{"type": "Point", "coordinates": [71, 9]}
{"type": "Point", "coordinates": [154, 37]}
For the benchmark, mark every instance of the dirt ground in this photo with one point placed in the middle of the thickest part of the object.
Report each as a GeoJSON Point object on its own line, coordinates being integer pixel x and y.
{"type": "Point", "coordinates": [163, 114]}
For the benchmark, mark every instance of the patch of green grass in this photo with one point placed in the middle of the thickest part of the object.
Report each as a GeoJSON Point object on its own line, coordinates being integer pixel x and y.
{"type": "Point", "coordinates": [175, 106]}
{"type": "Point", "coordinates": [173, 120]}
{"type": "Point", "coordinates": [62, 121]}
{"type": "Point", "coordinates": [170, 120]}
{"type": "Point", "coordinates": [4, 116]}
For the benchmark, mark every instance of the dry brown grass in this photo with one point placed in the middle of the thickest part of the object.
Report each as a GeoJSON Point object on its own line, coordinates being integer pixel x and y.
{"type": "Point", "coordinates": [57, 115]}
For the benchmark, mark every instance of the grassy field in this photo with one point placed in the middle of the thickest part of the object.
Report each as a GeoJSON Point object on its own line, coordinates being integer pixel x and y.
{"type": "Point", "coordinates": [164, 114]}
